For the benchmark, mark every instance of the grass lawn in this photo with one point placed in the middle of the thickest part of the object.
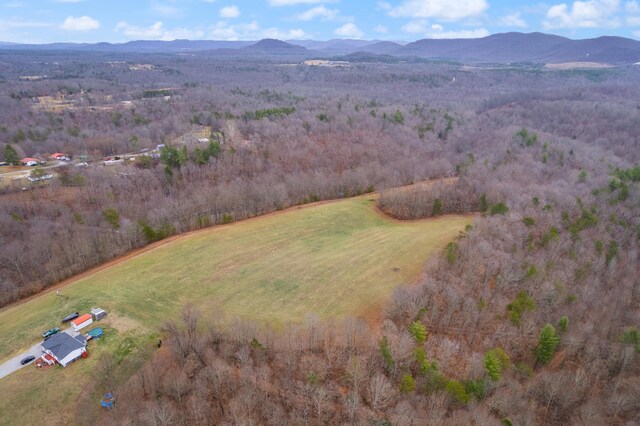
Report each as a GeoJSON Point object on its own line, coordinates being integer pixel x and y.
{"type": "Point", "coordinates": [335, 259]}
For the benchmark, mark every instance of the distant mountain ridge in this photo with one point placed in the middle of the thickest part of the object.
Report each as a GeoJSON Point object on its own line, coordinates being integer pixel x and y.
{"type": "Point", "coordinates": [532, 47]}
{"type": "Point", "coordinates": [496, 48]}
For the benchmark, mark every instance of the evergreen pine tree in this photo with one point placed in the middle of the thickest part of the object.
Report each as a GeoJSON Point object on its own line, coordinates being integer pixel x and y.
{"type": "Point", "coordinates": [418, 331]}
{"type": "Point", "coordinates": [11, 155]}
{"type": "Point", "coordinates": [547, 344]}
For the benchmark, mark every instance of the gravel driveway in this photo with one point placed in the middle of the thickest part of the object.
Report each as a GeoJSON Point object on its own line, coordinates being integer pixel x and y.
{"type": "Point", "coordinates": [13, 364]}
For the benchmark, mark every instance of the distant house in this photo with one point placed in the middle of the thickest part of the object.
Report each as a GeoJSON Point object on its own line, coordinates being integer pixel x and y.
{"type": "Point", "coordinates": [31, 77]}
{"type": "Point", "coordinates": [60, 157]}
{"type": "Point", "coordinates": [30, 161]}
{"type": "Point", "coordinates": [64, 349]}
{"type": "Point", "coordinates": [81, 322]}
{"type": "Point", "coordinates": [40, 177]}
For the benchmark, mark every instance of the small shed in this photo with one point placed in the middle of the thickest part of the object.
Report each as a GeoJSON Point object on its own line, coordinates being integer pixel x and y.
{"type": "Point", "coordinates": [81, 322]}
{"type": "Point", "coordinates": [97, 314]}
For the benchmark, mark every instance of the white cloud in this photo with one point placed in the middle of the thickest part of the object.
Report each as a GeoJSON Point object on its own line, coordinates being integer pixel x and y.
{"type": "Point", "coordinates": [251, 31]}
{"type": "Point", "coordinates": [157, 31]}
{"type": "Point", "coordinates": [11, 24]}
{"type": "Point", "coordinates": [583, 14]}
{"type": "Point", "coordinates": [83, 23]}
{"type": "Point", "coordinates": [296, 34]}
{"type": "Point", "coordinates": [381, 29]}
{"type": "Point", "coordinates": [422, 27]}
{"type": "Point", "coordinates": [318, 12]}
{"type": "Point", "coordinates": [636, 34]}
{"type": "Point", "coordinates": [349, 30]}
{"type": "Point", "coordinates": [477, 33]}
{"type": "Point", "coordinates": [167, 10]}
{"type": "Point", "coordinates": [294, 2]}
{"type": "Point", "coordinates": [439, 9]}
{"type": "Point", "coordinates": [513, 20]}
{"type": "Point", "coordinates": [15, 4]}
{"type": "Point", "coordinates": [223, 31]}
{"type": "Point", "coordinates": [632, 7]}
{"type": "Point", "coordinates": [229, 12]}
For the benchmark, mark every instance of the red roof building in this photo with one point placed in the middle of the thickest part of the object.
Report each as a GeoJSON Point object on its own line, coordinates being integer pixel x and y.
{"type": "Point", "coordinates": [82, 321]}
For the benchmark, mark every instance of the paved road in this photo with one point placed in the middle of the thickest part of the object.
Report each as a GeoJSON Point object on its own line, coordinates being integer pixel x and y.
{"type": "Point", "coordinates": [14, 365]}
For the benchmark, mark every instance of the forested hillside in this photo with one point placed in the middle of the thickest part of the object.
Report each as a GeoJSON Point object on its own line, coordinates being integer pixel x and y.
{"type": "Point", "coordinates": [529, 317]}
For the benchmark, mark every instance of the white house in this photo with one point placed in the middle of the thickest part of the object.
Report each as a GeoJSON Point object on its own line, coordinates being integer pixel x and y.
{"type": "Point", "coordinates": [64, 348]}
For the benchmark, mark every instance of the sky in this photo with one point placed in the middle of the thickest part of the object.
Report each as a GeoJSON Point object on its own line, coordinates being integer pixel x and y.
{"type": "Point", "coordinates": [117, 21]}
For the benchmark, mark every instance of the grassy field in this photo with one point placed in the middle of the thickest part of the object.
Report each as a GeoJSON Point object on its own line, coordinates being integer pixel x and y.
{"type": "Point", "coordinates": [335, 259]}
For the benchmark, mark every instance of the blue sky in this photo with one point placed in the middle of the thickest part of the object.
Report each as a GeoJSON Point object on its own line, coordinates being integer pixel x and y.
{"type": "Point", "coordinates": [43, 21]}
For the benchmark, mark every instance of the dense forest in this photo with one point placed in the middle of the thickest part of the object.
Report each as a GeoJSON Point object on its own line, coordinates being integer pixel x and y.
{"type": "Point", "coordinates": [529, 317]}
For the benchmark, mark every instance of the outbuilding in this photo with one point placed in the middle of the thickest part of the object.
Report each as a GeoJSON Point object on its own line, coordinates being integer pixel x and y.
{"type": "Point", "coordinates": [29, 161]}
{"type": "Point", "coordinates": [98, 314]}
{"type": "Point", "coordinates": [81, 322]}
{"type": "Point", "coordinates": [60, 156]}
{"type": "Point", "coordinates": [65, 349]}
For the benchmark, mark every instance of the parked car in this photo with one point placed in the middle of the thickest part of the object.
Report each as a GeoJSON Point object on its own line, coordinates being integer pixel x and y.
{"type": "Point", "coordinates": [50, 332]}
{"type": "Point", "coordinates": [27, 360]}
{"type": "Point", "coordinates": [71, 317]}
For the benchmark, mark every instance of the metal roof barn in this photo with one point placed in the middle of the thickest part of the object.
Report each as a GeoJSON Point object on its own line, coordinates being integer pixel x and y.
{"type": "Point", "coordinates": [81, 322]}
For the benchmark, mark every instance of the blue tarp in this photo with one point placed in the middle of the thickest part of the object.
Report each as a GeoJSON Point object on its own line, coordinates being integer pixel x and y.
{"type": "Point", "coordinates": [108, 400]}
{"type": "Point", "coordinates": [95, 333]}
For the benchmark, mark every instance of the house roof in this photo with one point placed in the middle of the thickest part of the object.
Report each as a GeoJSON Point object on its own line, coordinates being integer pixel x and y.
{"type": "Point", "coordinates": [81, 319]}
{"type": "Point", "coordinates": [58, 154]}
{"type": "Point", "coordinates": [61, 345]}
{"type": "Point", "coordinates": [26, 160]}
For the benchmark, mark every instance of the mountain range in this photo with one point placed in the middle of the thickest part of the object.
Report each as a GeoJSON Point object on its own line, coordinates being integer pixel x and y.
{"type": "Point", "coordinates": [497, 48]}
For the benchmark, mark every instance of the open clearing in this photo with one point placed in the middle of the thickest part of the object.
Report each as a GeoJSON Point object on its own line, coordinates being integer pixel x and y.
{"type": "Point", "coordinates": [577, 65]}
{"type": "Point", "coordinates": [335, 259]}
